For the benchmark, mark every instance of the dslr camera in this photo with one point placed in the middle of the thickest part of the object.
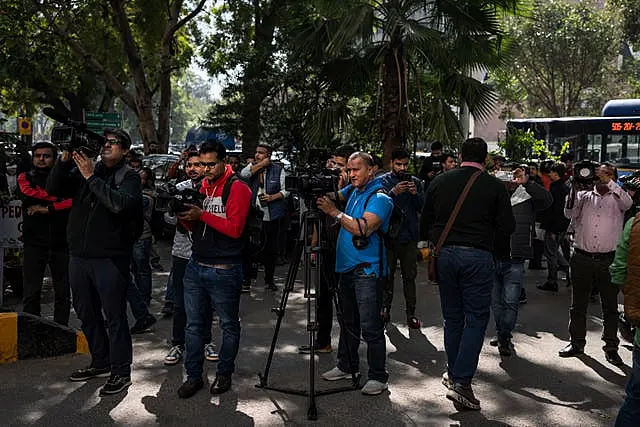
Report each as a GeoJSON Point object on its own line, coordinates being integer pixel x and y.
{"type": "Point", "coordinates": [74, 136]}
{"type": "Point", "coordinates": [318, 180]}
{"type": "Point", "coordinates": [181, 198]}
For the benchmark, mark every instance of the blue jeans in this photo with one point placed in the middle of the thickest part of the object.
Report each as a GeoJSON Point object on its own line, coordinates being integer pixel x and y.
{"type": "Point", "coordinates": [507, 284]}
{"type": "Point", "coordinates": [141, 268]}
{"type": "Point", "coordinates": [465, 278]}
{"type": "Point", "coordinates": [361, 300]}
{"type": "Point", "coordinates": [139, 308]}
{"type": "Point", "coordinates": [630, 411]}
{"type": "Point", "coordinates": [222, 289]}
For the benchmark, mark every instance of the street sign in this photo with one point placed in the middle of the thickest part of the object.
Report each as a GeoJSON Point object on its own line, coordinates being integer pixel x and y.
{"type": "Point", "coordinates": [98, 121]}
{"type": "Point", "coordinates": [24, 126]}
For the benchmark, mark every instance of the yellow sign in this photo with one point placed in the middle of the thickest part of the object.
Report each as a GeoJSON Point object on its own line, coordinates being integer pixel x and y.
{"type": "Point", "coordinates": [24, 126]}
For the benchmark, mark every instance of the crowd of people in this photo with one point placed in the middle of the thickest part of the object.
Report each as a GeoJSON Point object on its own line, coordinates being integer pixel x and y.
{"type": "Point", "coordinates": [484, 217]}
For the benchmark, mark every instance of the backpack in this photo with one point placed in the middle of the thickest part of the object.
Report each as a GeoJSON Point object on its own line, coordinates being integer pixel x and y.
{"type": "Point", "coordinates": [253, 225]}
{"type": "Point", "coordinates": [136, 218]}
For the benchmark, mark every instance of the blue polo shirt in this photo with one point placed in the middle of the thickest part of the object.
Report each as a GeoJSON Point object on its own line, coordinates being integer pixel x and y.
{"type": "Point", "coordinates": [381, 205]}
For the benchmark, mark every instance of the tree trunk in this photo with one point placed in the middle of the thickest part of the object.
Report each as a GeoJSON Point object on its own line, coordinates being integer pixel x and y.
{"type": "Point", "coordinates": [395, 119]}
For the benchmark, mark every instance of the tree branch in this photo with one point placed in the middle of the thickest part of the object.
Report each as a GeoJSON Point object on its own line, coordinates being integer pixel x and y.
{"type": "Point", "coordinates": [189, 17]}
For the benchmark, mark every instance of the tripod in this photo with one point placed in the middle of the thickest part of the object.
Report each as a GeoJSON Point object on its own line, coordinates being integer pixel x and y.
{"type": "Point", "coordinates": [312, 219]}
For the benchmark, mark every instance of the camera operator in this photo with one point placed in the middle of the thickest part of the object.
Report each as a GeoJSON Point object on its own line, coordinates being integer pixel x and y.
{"type": "Point", "coordinates": [44, 238]}
{"type": "Point", "coordinates": [266, 180]}
{"type": "Point", "coordinates": [597, 215]}
{"type": "Point", "coordinates": [101, 233]}
{"type": "Point", "coordinates": [408, 197]}
{"type": "Point", "coordinates": [527, 197]}
{"type": "Point", "coordinates": [361, 263]}
{"type": "Point", "coordinates": [180, 253]}
{"type": "Point", "coordinates": [332, 227]}
{"type": "Point", "coordinates": [431, 165]}
{"type": "Point", "coordinates": [213, 277]}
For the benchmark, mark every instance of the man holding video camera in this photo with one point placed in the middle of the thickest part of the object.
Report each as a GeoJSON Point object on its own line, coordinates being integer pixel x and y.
{"type": "Point", "coordinates": [103, 222]}
{"type": "Point", "coordinates": [404, 229]}
{"type": "Point", "coordinates": [213, 276]}
{"type": "Point", "coordinates": [361, 263]}
{"type": "Point", "coordinates": [597, 214]}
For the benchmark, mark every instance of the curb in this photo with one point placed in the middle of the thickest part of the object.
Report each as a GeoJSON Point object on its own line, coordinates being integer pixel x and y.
{"type": "Point", "coordinates": [25, 336]}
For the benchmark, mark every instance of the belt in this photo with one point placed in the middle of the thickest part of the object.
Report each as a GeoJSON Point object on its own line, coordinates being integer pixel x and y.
{"type": "Point", "coordinates": [595, 255]}
{"type": "Point", "coordinates": [218, 266]}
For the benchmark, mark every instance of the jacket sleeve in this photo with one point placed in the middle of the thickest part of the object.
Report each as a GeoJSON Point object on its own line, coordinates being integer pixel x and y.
{"type": "Point", "coordinates": [418, 199]}
{"type": "Point", "coordinates": [62, 182]}
{"type": "Point", "coordinates": [504, 220]}
{"type": "Point", "coordinates": [622, 198]}
{"type": "Point", "coordinates": [428, 213]}
{"type": "Point", "coordinates": [237, 210]}
{"type": "Point", "coordinates": [541, 198]}
{"type": "Point", "coordinates": [123, 199]}
{"type": "Point", "coordinates": [27, 190]}
{"type": "Point", "coordinates": [618, 268]}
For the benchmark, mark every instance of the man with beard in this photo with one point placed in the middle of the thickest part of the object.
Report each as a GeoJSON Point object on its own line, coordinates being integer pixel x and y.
{"type": "Point", "coordinates": [45, 242]}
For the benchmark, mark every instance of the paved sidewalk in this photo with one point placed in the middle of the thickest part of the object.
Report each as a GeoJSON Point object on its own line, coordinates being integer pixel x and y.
{"type": "Point", "coordinates": [533, 388]}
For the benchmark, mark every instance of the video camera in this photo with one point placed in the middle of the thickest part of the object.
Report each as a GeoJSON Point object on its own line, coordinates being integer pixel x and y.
{"type": "Point", "coordinates": [73, 135]}
{"type": "Point", "coordinates": [318, 181]}
{"type": "Point", "coordinates": [584, 172]}
{"type": "Point", "coordinates": [181, 198]}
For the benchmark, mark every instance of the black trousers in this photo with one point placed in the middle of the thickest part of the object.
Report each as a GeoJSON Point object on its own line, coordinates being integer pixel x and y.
{"type": "Point", "coordinates": [36, 259]}
{"type": "Point", "coordinates": [270, 247]}
{"type": "Point", "coordinates": [99, 284]}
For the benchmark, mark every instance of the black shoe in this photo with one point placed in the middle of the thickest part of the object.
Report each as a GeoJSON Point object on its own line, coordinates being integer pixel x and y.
{"type": "Point", "coordinates": [167, 310]}
{"type": "Point", "coordinates": [504, 348]}
{"type": "Point", "coordinates": [190, 387]}
{"type": "Point", "coordinates": [494, 342]}
{"type": "Point", "coordinates": [523, 296]}
{"type": "Point", "coordinates": [305, 349]}
{"type": "Point", "coordinates": [88, 373]}
{"type": "Point", "coordinates": [115, 384]}
{"type": "Point", "coordinates": [143, 324]}
{"type": "Point", "coordinates": [464, 396]}
{"type": "Point", "coordinates": [220, 385]}
{"type": "Point", "coordinates": [570, 350]}
{"type": "Point", "coordinates": [548, 286]}
{"type": "Point", "coordinates": [270, 286]}
{"type": "Point", "coordinates": [246, 286]}
{"type": "Point", "coordinates": [413, 322]}
{"type": "Point", "coordinates": [613, 357]}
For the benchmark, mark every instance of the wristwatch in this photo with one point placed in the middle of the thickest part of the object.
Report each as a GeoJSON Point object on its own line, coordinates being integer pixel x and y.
{"type": "Point", "coordinates": [339, 216]}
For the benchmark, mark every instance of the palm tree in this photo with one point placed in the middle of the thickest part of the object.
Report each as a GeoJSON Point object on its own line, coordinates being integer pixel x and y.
{"type": "Point", "coordinates": [435, 43]}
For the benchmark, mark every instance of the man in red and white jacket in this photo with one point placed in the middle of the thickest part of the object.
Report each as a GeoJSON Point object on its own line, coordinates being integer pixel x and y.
{"type": "Point", "coordinates": [214, 273]}
{"type": "Point", "coordinates": [44, 228]}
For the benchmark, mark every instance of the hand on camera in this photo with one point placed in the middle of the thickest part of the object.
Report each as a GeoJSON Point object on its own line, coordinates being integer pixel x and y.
{"type": "Point", "coordinates": [192, 214]}
{"type": "Point", "coordinates": [85, 164]}
{"type": "Point", "coordinates": [604, 174]}
{"type": "Point", "coordinates": [66, 156]}
{"type": "Point", "coordinates": [327, 206]}
{"type": "Point", "coordinates": [37, 209]}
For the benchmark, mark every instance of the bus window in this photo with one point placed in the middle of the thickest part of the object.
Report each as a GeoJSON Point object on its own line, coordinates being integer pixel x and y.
{"type": "Point", "coordinates": [614, 148]}
{"type": "Point", "coordinates": [633, 149]}
{"type": "Point", "coordinates": [594, 145]}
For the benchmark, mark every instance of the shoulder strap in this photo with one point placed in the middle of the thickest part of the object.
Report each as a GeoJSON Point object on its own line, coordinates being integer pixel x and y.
{"type": "Point", "coordinates": [455, 212]}
{"type": "Point", "coordinates": [227, 188]}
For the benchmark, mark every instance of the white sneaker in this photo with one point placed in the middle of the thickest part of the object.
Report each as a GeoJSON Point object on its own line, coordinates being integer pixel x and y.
{"type": "Point", "coordinates": [210, 352]}
{"type": "Point", "coordinates": [446, 381]}
{"type": "Point", "coordinates": [373, 388]}
{"type": "Point", "coordinates": [174, 355]}
{"type": "Point", "coordinates": [336, 374]}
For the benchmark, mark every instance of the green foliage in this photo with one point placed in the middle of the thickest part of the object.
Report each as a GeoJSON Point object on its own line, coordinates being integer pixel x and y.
{"type": "Point", "coordinates": [521, 145]}
{"type": "Point", "coordinates": [564, 56]}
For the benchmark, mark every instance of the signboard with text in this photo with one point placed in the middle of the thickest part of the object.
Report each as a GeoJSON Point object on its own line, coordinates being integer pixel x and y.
{"type": "Point", "coordinates": [98, 121]}
{"type": "Point", "coordinates": [11, 224]}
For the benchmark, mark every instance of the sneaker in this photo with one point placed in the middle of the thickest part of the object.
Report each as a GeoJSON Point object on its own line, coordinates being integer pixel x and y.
{"type": "Point", "coordinates": [115, 384]}
{"type": "Point", "coordinates": [374, 388]}
{"type": "Point", "coordinates": [210, 352]}
{"type": "Point", "coordinates": [88, 373]}
{"type": "Point", "coordinates": [493, 342]}
{"type": "Point", "coordinates": [305, 349]}
{"type": "Point", "coordinates": [174, 355]}
{"type": "Point", "coordinates": [246, 287]}
{"type": "Point", "coordinates": [220, 385]}
{"type": "Point", "coordinates": [336, 374]}
{"type": "Point", "coordinates": [167, 309]}
{"type": "Point", "coordinates": [143, 324]}
{"type": "Point", "coordinates": [464, 396]}
{"type": "Point", "coordinates": [523, 296]}
{"type": "Point", "coordinates": [548, 286]}
{"type": "Point", "coordinates": [190, 387]}
{"type": "Point", "coordinates": [446, 381]}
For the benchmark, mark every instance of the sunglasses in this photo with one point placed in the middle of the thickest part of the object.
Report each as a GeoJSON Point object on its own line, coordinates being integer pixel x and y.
{"type": "Point", "coordinates": [112, 141]}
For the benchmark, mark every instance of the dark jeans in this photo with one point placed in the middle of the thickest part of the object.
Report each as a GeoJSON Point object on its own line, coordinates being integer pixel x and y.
{"type": "Point", "coordinates": [587, 273]}
{"type": "Point", "coordinates": [169, 292]}
{"type": "Point", "coordinates": [223, 287]}
{"type": "Point", "coordinates": [538, 251]}
{"type": "Point", "coordinates": [406, 253]}
{"type": "Point", "coordinates": [555, 259]}
{"type": "Point", "coordinates": [361, 301]}
{"type": "Point", "coordinates": [465, 278]}
{"type": "Point", "coordinates": [35, 261]}
{"type": "Point", "coordinates": [141, 268]}
{"type": "Point", "coordinates": [270, 247]}
{"type": "Point", "coordinates": [98, 285]}
{"type": "Point", "coordinates": [507, 283]}
{"type": "Point", "coordinates": [629, 414]}
{"type": "Point", "coordinates": [179, 319]}
{"type": "Point", "coordinates": [139, 308]}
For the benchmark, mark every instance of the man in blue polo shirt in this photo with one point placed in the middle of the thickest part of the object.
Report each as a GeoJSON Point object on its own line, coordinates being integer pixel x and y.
{"type": "Point", "coordinates": [361, 263]}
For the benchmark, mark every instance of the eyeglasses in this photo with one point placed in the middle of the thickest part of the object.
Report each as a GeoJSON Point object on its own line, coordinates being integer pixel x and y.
{"type": "Point", "coordinates": [194, 164]}
{"type": "Point", "coordinates": [209, 164]}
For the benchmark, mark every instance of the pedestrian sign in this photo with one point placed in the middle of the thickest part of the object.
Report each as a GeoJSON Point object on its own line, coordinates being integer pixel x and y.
{"type": "Point", "coordinates": [98, 121]}
{"type": "Point", "coordinates": [24, 126]}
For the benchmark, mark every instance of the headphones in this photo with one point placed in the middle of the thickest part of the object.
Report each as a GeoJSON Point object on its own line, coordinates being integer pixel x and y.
{"type": "Point", "coordinates": [361, 242]}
